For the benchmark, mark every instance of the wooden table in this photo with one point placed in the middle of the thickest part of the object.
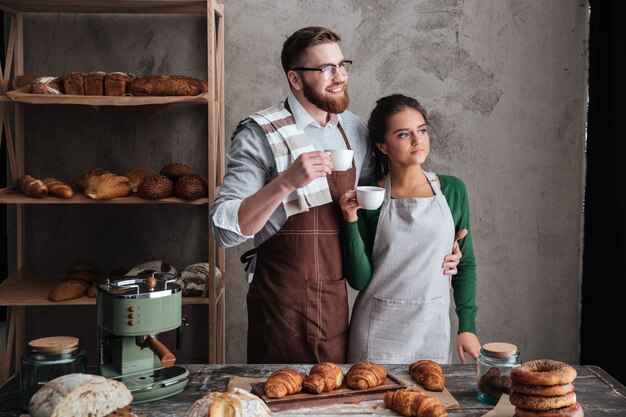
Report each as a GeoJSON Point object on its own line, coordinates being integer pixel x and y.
{"type": "Point", "coordinates": [599, 393]}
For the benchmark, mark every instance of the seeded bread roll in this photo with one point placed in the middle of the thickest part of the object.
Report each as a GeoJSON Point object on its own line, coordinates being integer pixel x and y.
{"type": "Point", "coordinates": [175, 170]}
{"type": "Point", "coordinates": [191, 187]}
{"type": "Point", "coordinates": [94, 83]}
{"type": "Point", "coordinates": [74, 83]}
{"type": "Point", "coordinates": [155, 187]}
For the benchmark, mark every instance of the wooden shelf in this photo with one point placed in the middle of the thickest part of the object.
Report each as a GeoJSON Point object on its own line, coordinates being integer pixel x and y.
{"type": "Point", "coordinates": [23, 289]}
{"type": "Point", "coordinates": [107, 6]}
{"type": "Point", "coordinates": [11, 196]}
{"type": "Point", "coordinates": [21, 95]}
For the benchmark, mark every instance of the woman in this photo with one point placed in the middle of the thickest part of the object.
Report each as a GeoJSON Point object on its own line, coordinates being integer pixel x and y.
{"type": "Point", "coordinates": [392, 255]}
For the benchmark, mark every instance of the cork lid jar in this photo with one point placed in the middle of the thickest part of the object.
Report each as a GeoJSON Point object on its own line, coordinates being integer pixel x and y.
{"type": "Point", "coordinates": [494, 365]}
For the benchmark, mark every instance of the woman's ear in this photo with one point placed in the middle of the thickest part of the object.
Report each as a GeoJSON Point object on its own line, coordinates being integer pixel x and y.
{"type": "Point", "coordinates": [382, 147]}
{"type": "Point", "coordinates": [294, 80]}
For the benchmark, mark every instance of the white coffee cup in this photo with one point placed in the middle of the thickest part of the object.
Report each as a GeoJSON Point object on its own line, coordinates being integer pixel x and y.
{"type": "Point", "coordinates": [342, 158]}
{"type": "Point", "coordinates": [370, 198]}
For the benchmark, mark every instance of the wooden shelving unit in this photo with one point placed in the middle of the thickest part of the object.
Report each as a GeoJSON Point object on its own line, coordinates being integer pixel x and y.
{"type": "Point", "coordinates": [21, 290]}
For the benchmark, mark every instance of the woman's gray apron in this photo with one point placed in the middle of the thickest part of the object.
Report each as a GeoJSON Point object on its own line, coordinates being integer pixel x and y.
{"type": "Point", "coordinates": [403, 314]}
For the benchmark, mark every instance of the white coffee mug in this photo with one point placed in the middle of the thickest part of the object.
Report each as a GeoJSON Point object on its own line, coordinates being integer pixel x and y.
{"type": "Point", "coordinates": [370, 198]}
{"type": "Point", "coordinates": [342, 158]}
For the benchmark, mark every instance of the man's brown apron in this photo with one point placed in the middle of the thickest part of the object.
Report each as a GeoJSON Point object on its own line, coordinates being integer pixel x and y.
{"type": "Point", "coordinates": [298, 301]}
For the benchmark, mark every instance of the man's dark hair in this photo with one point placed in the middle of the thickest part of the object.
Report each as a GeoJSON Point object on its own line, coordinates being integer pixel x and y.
{"type": "Point", "coordinates": [296, 45]}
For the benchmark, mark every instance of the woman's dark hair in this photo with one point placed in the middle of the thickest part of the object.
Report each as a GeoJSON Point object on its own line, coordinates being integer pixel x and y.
{"type": "Point", "coordinates": [377, 125]}
{"type": "Point", "coordinates": [295, 46]}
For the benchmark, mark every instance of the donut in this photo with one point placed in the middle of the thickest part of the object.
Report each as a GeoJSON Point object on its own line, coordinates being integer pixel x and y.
{"type": "Point", "coordinates": [535, 402]}
{"type": "Point", "coordinates": [574, 410]}
{"type": "Point", "coordinates": [543, 372]}
{"type": "Point", "coordinates": [543, 390]}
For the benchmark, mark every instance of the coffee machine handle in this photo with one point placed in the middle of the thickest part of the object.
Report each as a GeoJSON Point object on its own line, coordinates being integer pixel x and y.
{"type": "Point", "coordinates": [167, 358]}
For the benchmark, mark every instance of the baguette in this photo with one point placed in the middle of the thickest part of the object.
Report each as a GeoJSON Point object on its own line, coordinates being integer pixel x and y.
{"type": "Point", "coordinates": [32, 187]}
{"type": "Point", "coordinates": [58, 188]}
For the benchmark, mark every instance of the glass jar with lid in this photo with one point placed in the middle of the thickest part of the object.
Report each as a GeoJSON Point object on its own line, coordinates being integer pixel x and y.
{"type": "Point", "coordinates": [493, 368]}
{"type": "Point", "coordinates": [46, 359]}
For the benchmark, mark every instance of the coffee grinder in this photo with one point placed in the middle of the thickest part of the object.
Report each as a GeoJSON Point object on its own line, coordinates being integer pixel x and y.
{"type": "Point", "coordinates": [132, 311]}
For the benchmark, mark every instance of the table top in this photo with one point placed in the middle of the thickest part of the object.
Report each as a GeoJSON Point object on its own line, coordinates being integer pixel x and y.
{"type": "Point", "coordinates": [599, 393]}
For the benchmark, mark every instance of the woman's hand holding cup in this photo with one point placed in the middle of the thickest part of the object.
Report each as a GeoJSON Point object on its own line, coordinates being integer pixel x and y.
{"type": "Point", "coordinates": [349, 206]}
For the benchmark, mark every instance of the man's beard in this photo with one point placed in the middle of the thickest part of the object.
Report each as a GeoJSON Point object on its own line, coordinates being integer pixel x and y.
{"type": "Point", "coordinates": [326, 103]}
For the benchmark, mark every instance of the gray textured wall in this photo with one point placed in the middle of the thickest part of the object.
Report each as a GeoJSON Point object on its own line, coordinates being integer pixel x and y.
{"type": "Point", "coordinates": [505, 85]}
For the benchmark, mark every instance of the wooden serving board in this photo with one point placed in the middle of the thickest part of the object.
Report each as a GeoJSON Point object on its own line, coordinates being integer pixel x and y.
{"type": "Point", "coordinates": [343, 395]}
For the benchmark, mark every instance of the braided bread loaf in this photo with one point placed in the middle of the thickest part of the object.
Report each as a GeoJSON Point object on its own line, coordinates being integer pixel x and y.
{"type": "Point", "coordinates": [365, 375]}
{"type": "Point", "coordinates": [283, 382]}
{"type": "Point", "coordinates": [324, 377]}
{"type": "Point", "coordinates": [428, 374]}
{"type": "Point", "coordinates": [412, 402]}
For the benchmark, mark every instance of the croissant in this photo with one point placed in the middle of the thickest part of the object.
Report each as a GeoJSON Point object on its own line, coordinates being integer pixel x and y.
{"type": "Point", "coordinates": [412, 402]}
{"type": "Point", "coordinates": [283, 382]}
{"type": "Point", "coordinates": [58, 188]}
{"type": "Point", "coordinates": [365, 375]}
{"type": "Point", "coordinates": [32, 187]}
{"type": "Point", "coordinates": [324, 377]}
{"type": "Point", "coordinates": [428, 374]}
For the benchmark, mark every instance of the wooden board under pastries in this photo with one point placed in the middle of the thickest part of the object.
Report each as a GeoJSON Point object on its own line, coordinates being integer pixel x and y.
{"type": "Point", "coordinates": [342, 395]}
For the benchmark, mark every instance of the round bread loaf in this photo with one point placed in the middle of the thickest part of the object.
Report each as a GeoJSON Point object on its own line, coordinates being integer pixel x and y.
{"type": "Point", "coordinates": [175, 170]}
{"type": "Point", "coordinates": [191, 187]}
{"type": "Point", "coordinates": [237, 403]}
{"type": "Point", "coordinates": [79, 395]}
{"type": "Point", "coordinates": [155, 187]}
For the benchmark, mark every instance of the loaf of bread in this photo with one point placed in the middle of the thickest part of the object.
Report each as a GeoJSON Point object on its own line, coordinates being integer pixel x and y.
{"type": "Point", "coordinates": [94, 83]}
{"type": "Point", "coordinates": [146, 269]}
{"type": "Point", "coordinates": [428, 374]}
{"type": "Point", "coordinates": [323, 377]}
{"type": "Point", "coordinates": [365, 375]}
{"type": "Point", "coordinates": [233, 403]}
{"type": "Point", "coordinates": [107, 187]}
{"type": "Point", "coordinates": [191, 187]}
{"type": "Point", "coordinates": [46, 85]}
{"type": "Point", "coordinates": [92, 291]}
{"type": "Point", "coordinates": [283, 382]}
{"type": "Point", "coordinates": [194, 278]}
{"type": "Point", "coordinates": [81, 395]}
{"type": "Point", "coordinates": [74, 83]}
{"type": "Point", "coordinates": [32, 187]}
{"type": "Point", "coordinates": [116, 83]}
{"type": "Point", "coordinates": [167, 85]}
{"type": "Point", "coordinates": [69, 290]}
{"type": "Point", "coordinates": [58, 188]}
{"type": "Point", "coordinates": [155, 187]}
{"type": "Point", "coordinates": [413, 402]}
{"type": "Point", "coordinates": [136, 175]}
{"type": "Point", "coordinates": [81, 183]}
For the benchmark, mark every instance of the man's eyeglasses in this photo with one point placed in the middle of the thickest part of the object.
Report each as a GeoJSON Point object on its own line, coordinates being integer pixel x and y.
{"type": "Point", "coordinates": [329, 70]}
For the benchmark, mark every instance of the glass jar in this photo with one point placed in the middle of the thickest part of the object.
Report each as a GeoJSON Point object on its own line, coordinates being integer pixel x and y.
{"type": "Point", "coordinates": [493, 368]}
{"type": "Point", "coordinates": [46, 359]}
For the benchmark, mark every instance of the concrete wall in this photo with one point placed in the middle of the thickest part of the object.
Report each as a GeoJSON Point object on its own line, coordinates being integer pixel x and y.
{"type": "Point", "coordinates": [505, 85]}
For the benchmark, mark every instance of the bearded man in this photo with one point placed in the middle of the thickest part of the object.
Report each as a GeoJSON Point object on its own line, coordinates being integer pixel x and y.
{"type": "Point", "coordinates": [280, 188]}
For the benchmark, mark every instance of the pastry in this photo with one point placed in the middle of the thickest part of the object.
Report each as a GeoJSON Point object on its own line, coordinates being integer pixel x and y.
{"type": "Point", "coordinates": [413, 402]}
{"type": "Point", "coordinates": [283, 382]}
{"type": "Point", "coordinates": [365, 375]}
{"type": "Point", "coordinates": [323, 377]}
{"type": "Point", "coordinates": [428, 374]}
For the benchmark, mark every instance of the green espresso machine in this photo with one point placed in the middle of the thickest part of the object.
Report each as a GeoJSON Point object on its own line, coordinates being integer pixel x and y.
{"type": "Point", "coordinates": [132, 311]}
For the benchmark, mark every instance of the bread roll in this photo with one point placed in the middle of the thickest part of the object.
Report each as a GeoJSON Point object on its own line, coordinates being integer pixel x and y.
{"type": "Point", "coordinates": [81, 183]}
{"type": "Point", "coordinates": [107, 187]}
{"type": "Point", "coordinates": [136, 175]}
{"type": "Point", "coordinates": [191, 187]}
{"type": "Point", "coordinates": [58, 188]}
{"type": "Point", "coordinates": [167, 85]}
{"type": "Point", "coordinates": [155, 187]}
{"type": "Point", "coordinates": [32, 187]}
{"type": "Point", "coordinates": [175, 170]}
{"type": "Point", "coordinates": [234, 403]}
{"type": "Point", "coordinates": [79, 395]}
